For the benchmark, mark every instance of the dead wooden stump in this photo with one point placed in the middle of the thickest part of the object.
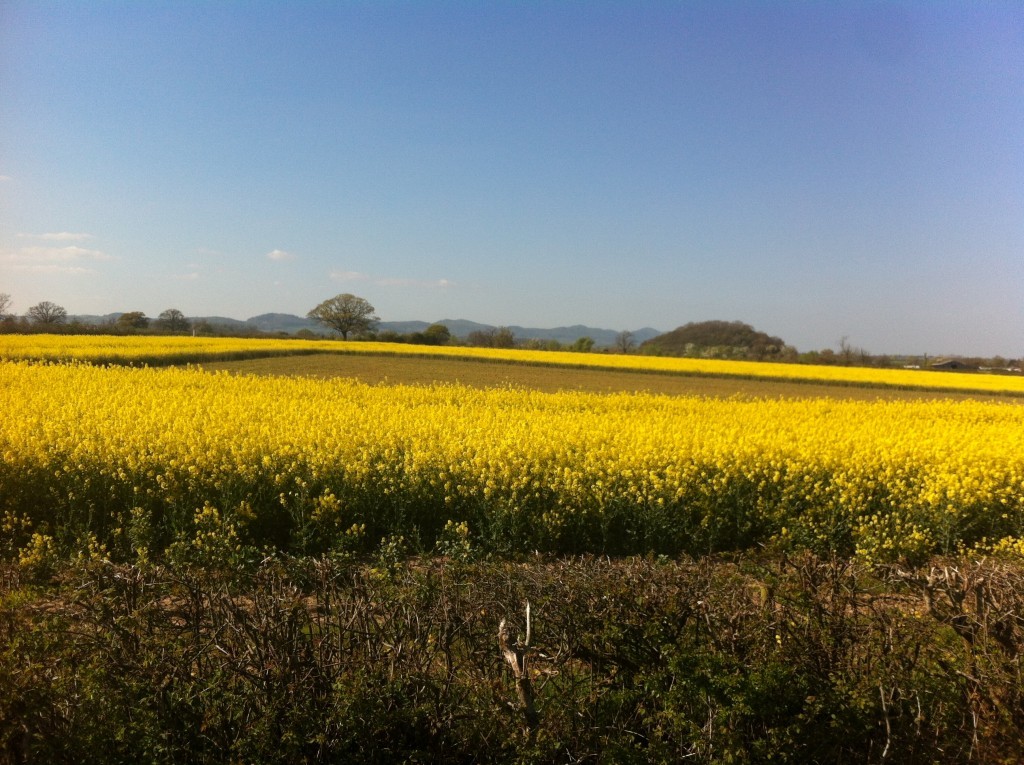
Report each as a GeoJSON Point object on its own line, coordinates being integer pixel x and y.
{"type": "Point", "coordinates": [515, 654]}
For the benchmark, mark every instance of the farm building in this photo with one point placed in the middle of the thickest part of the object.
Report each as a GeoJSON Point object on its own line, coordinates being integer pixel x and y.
{"type": "Point", "coordinates": [950, 364]}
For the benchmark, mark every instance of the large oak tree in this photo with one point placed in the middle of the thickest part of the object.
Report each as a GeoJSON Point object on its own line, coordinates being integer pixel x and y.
{"type": "Point", "coordinates": [173, 320]}
{"type": "Point", "coordinates": [47, 313]}
{"type": "Point", "coordinates": [345, 313]}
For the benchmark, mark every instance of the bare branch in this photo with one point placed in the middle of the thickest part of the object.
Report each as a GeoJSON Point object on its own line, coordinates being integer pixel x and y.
{"type": "Point", "coordinates": [515, 654]}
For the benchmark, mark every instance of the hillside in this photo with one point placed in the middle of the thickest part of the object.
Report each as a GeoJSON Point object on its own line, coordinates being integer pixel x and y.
{"type": "Point", "coordinates": [461, 328]}
{"type": "Point", "coordinates": [715, 339]}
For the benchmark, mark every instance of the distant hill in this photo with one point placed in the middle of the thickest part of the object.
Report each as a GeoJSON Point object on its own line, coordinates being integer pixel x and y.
{"type": "Point", "coordinates": [462, 328]}
{"type": "Point", "coordinates": [220, 321]}
{"type": "Point", "coordinates": [273, 323]}
{"type": "Point", "coordinates": [85, 318]}
{"type": "Point", "coordinates": [715, 339]}
{"type": "Point", "coordinates": [569, 335]}
{"type": "Point", "coordinates": [283, 322]}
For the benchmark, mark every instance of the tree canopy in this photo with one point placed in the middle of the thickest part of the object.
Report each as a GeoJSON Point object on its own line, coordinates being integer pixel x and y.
{"type": "Point", "coordinates": [493, 337]}
{"type": "Point", "coordinates": [47, 313]}
{"type": "Point", "coordinates": [345, 313]}
{"type": "Point", "coordinates": [133, 320]}
{"type": "Point", "coordinates": [715, 338]}
{"type": "Point", "coordinates": [173, 320]}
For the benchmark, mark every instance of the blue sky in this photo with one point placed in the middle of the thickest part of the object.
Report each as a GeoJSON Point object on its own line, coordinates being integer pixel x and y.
{"type": "Point", "coordinates": [818, 170]}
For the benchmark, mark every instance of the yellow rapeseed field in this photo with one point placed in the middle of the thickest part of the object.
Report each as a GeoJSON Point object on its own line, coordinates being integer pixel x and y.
{"type": "Point", "coordinates": [132, 462]}
{"type": "Point", "coordinates": [156, 350]}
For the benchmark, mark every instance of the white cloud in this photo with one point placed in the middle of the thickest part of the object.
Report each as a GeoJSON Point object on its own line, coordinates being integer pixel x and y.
{"type": "Point", "coordinates": [280, 255]}
{"type": "Point", "coordinates": [422, 283]}
{"type": "Point", "coordinates": [5, 178]}
{"type": "Point", "coordinates": [51, 268]}
{"type": "Point", "coordinates": [191, 276]}
{"type": "Point", "coordinates": [349, 276]}
{"type": "Point", "coordinates": [390, 281]}
{"type": "Point", "coordinates": [65, 236]}
{"type": "Point", "coordinates": [42, 259]}
{"type": "Point", "coordinates": [39, 253]}
{"type": "Point", "coordinates": [58, 236]}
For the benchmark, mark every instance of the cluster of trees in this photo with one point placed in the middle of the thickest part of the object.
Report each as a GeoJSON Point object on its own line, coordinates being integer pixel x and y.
{"type": "Point", "coordinates": [47, 314]}
{"type": "Point", "coordinates": [719, 339]}
{"type": "Point", "coordinates": [346, 314]}
{"type": "Point", "coordinates": [435, 334]}
{"type": "Point", "coordinates": [495, 337]}
{"type": "Point", "coordinates": [41, 313]}
{"type": "Point", "coordinates": [352, 316]}
{"type": "Point", "coordinates": [736, 340]}
{"type": "Point", "coordinates": [349, 314]}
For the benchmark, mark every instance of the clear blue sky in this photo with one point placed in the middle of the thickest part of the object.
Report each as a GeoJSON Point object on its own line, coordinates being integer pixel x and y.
{"type": "Point", "coordinates": [818, 170]}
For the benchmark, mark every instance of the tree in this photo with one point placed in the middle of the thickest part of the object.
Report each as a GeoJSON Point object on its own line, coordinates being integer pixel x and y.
{"type": "Point", "coordinates": [504, 338]}
{"type": "Point", "coordinates": [133, 320]}
{"type": "Point", "coordinates": [583, 344]}
{"type": "Point", "coordinates": [173, 320]}
{"type": "Point", "coordinates": [715, 339]}
{"type": "Point", "coordinates": [492, 337]}
{"type": "Point", "coordinates": [437, 334]}
{"type": "Point", "coordinates": [850, 353]}
{"type": "Point", "coordinates": [5, 304]}
{"type": "Point", "coordinates": [47, 313]}
{"type": "Point", "coordinates": [481, 338]}
{"type": "Point", "coordinates": [345, 313]}
{"type": "Point", "coordinates": [624, 341]}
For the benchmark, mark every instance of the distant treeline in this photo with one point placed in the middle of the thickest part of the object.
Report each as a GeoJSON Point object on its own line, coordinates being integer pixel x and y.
{"type": "Point", "coordinates": [706, 339]}
{"type": "Point", "coordinates": [719, 339]}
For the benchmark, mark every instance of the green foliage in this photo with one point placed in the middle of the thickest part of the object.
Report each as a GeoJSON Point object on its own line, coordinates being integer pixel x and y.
{"type": "Point", "coordinates": [435, 334]}
{"type": "Point", "coordinates": [172, 320]}
{"type": "Point", "coordinates": [582, 345]}
{"type": "Point", "coordinates": [345, 314]}
{"type": "Point", "coordinates": [494, 337]}
{"type": "Point", "coordinates": [454, 542]}
{"type": "Point", "coordinates": [296, 660]}
{"type": "Point", "coordinates": [133, 320]}
{"type": "Point", "coordinates": [715, 339]}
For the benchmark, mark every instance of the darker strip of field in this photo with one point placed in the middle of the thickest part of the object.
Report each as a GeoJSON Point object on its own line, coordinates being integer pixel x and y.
{"type": "Point", "coordinates": [405, 370]}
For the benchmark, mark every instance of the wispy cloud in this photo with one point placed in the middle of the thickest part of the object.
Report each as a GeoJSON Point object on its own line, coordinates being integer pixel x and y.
{"type": "Point", "coordinates": [280, 255]}
{"type": "Point", "coordinates": [58, 236]}
{"type": "Point", "coordinates": [65, 236]}
{"type": "Point", "coordinates": [5, 178]}
{"type": "Point", "coordinates": [191, 276]}
{"type": "Point", "coordinates": [52, 268]}
{"type": "Point", "coordinates": [430, 283]}
{"type": "Point", "coordinates": [390, 281]}
{"type": "Point", "coordinates": [349, 276]}
{"type": "Point", "coordinates": [72, 252]}
{"type": "Point", "coordinates": [44, 259]}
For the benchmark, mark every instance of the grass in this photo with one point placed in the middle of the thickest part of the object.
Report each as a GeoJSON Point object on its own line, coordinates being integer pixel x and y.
{"type": "Point", "coordinates": [424, 370]}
